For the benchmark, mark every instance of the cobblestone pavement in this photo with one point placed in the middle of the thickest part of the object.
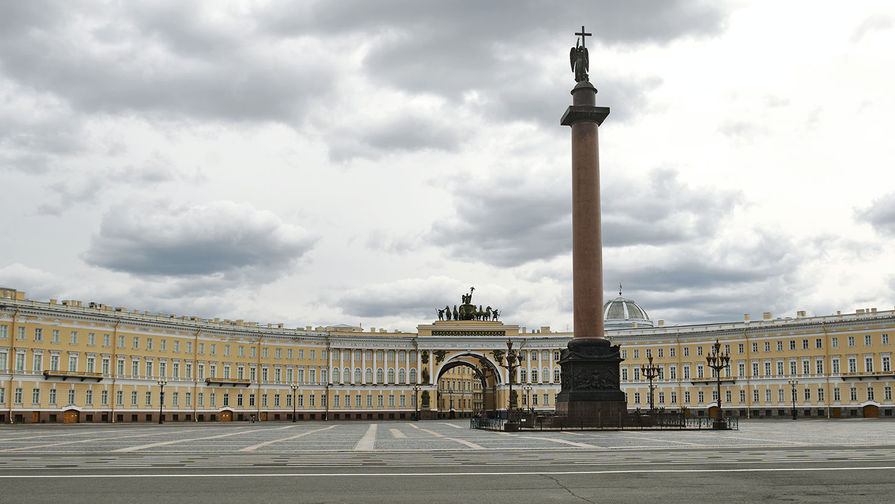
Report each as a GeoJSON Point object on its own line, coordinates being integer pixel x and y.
{"type": "Point", "coordinates": [320, 438]}
{"type": "Point", "coordinates": [445, 461]}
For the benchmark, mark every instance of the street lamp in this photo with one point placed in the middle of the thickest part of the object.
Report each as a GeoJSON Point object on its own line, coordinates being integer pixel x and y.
{"type": "Point", "coordinates": [416, 400]}
{"type": "Point", "coordinates": [294, 387]}
{"type": "Point", "coordinates": [718, 360]}
{"type": "Point", "coordinates": [161, 402]}
{"type": "Point", "coordinates": [527, 390]}
{"type": "Point", "coordinates": [650, 372]}
{"type": "Point", "coordinates": [793, 383]}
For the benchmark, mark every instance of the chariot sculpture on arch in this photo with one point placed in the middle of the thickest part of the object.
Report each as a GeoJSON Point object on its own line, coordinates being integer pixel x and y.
{"type": "Point", "coordinates": [467, 310]}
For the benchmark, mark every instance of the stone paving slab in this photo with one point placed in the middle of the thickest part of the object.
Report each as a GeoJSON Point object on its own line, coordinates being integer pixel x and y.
{"type": "Point", "coordinates": [276, 437]}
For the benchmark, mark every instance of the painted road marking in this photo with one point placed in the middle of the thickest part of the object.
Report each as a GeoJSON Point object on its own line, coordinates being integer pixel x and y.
{"type": "Point", "coordinates": [397, 434]}
{"type": "Point", "coordinates": [368, 441]}
{"type": "Point", "coordinates": [175, 441]}
{"type": "Point", "coordinates": [63, 443]}
{"type": "Point", "coordinates": [272, 441]}
{"type": "Point", "coordinates": [451, 425]}
{"type": "Point", "coordinates": [554, 440]}
{"type": "Point", "coordinates": [640, 438]}
{"type": "Point", "coordinates": [447, 474]}
{"type": "Point", "coordinates": [69, 434]}
{"type": "Point", "coordinates": [456, 440]}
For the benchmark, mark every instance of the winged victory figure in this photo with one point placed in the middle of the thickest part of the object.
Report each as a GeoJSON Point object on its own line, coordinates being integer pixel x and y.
{"type": "Point", "coordinates": [579, 61]}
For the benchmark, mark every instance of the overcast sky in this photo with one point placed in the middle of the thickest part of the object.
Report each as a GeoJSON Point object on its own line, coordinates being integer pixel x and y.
{"type": "Point", "coordinates": [366, 162]}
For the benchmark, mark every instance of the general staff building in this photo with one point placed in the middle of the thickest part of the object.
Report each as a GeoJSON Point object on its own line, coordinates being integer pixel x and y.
{"type": "Point", "coordinates": [70, 361]}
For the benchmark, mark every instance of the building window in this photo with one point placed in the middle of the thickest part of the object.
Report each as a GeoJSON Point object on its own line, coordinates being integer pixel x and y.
{"type": "Point", "coordinates": [767, 346]}
{"type": "Point", "coordinates": [820, 394]}
{"type": "Point", "coordinates": [700, 397]}
{"type": "Point", "coordinates": [887, 364]}
{"type": "Point", "coordinates": [687, 396]}
{"type": "Point", "coordinates": [71, 397]}
{"type": "Point", "coordinates": [853, 393]}
{"type": "Point", "coordinates": [887, 393]}
{"type": "Point", "coordinates": [868, 364]}
{"type": "Point", "coordinates": [88, 397]}
{"type": "Point", "coordinates": [149, 398]}
{"type": "Point", "coordinates": [807, 394]}
{"type": "Point", "coordinates": [134, 398]}
{"type": "Point", "coordinates": [885, 339]}
{"type": "Point", "coordinates": [819, 366]}
{"type": "Point", "coordinates": [867, 340]}
{"type": "Point", "coordinates": [119, 398]}
{"type": "Point", "coordinates": [870, 393]}
{"type": "Point", "coordinates": [38, 334]}
{"type": "Point", "coordinates": [686, 351]}
{"type": "Point", "coordinates": [835, 365]}
{"type": "Point", "coordinates": [754, 347]}
{"type": "Point", "coordinates": [836, 394]}
{"type": "Point", "coordinates": [755, 395]}
{"type": "Point", "coordinates": [55, 336]}
{"type": "Point", "coordinates": [699, 350]}
{"type": "Point", "coordinates": [636, 397]}
{"type": "Point", "coordinates": [740, 348]}
{"type": "Point", "coordinates": [851, 341]}
{"type": "Point", "coordinates": [742, 396]}
{"type": "Point", "coordinates": [818, 343]}
{"type": "Point", "coordinates": [20, 335]}
{"type": "Point", "coordinates": [852, 365]}
{"type": "Point", "coordinates": [35, 396]}
{"type": "Point", "coordinates": [52, 397]}
{"type": "Point", "coordinates": [779, 346]}
{"type": "Point", "coordinates": [806, 367]}
{"type": "Point", "coordinates": [780, 396]}
{"type": "Point", "coordinates": [792, 344]}
{"type": "Point", "coordinates": [104, 397]}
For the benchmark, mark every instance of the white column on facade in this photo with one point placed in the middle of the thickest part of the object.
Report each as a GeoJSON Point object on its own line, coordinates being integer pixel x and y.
{"type": "Point", "coordinates": [342, 366]}
{"type": "Point", "coordinates": [374, 367]}
{"type": "Point", "coordinates": [363, 365]}
{"type": "Point", "coordinates": [540, 368]}
{"type": "Point", "coordinates": [419, 366]}
{"type": "Point", "coordinates": [352, 368]}
{"type": "Point", "coordinates": [329, 373]}
{"type": "Point", "coordinates": [528, 368]}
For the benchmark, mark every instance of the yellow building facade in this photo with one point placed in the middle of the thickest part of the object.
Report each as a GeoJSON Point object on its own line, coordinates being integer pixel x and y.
{"type": "Point", "coordinates": [71, 361]}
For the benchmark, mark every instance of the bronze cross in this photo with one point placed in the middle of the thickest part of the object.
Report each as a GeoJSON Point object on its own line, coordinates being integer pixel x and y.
{"type": "Point", "coordinates": [583, 34]}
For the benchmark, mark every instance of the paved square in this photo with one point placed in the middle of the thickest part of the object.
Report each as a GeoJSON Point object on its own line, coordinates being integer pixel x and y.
{"type": "Point", "coordinates": [442, 460]}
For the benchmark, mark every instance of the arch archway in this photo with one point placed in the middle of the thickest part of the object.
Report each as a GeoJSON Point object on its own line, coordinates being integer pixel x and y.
{"type": "Point", "coordinates": [469, 393]}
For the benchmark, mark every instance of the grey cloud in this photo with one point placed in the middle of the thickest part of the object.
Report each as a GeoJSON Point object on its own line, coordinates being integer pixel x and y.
{"type": "Point", "coordinates": [504, 224]}
{"type": "Point", "coordinates": [450, 48]}
{"type": "Point", "coordinates": [692, 283]}
{"type": "Point", "coordinates": [880, 214]}
{"type": "Point", "coordinates": [876, 22]}
{"type": "Point", "coordinates": [225, 242]}
{"type": "Point", "coordinates": [166, 59]}
{"type": "Point", "coordinates": [88, 187]}
{"type": "Point", "coordinates": [402, 134]}
{"type": "Point", "coordinates": [416, 297]}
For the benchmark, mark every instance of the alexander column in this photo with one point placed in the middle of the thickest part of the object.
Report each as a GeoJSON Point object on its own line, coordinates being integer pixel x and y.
{"type": "Point", "coordinates": [590, 365]}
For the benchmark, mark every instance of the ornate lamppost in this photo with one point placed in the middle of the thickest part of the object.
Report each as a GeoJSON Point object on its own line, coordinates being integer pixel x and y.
{"type": "Point", "coordinates": [718, 360]}
{"type": "Point", "coordinates": [161, 402]}
{"type": "Point", "coordinates": [294, 387]}
{"type": "Point", "coordinates": [650, 372]}
{"type": "Point", "coordinates": [527, 389]}
{"type": "Point", "coordinates": [512, 363]}
{"type": "Point", "coordinates": [793, 383]}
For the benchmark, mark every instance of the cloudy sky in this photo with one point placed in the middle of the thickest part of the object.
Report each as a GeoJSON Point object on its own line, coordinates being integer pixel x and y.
{"type": "Point", "coordinates": [365, 162]}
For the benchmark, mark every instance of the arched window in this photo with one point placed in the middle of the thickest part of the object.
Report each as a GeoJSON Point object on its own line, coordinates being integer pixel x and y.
{"type": "Point", "coordinates": [335, 375]}
{"type": "Point", "coordinates": [545, 374]}
{"type": "Point", "coordinates": [534, 375]}
{"type": "Point", "coordinates": [323, 375]}
{"type": "Point", "coordinates": [346, 375]}
{"type": "Point", "coordinates": [402, 376]}
{"type": "Point", "coordinates": [557, 376]}
{"type": "Point", "coordinates": [356, 375]}
{"type": "Point", "coordinates": [391, 375]}
{"type": "Point", "coordinates": [523, 375]}
{"type": "Point", "coordinates": [379, 376]}
{"type": "Point", "coordinates": [413, 376]}
{"type": "Point", "coordinates": [369, 375]}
